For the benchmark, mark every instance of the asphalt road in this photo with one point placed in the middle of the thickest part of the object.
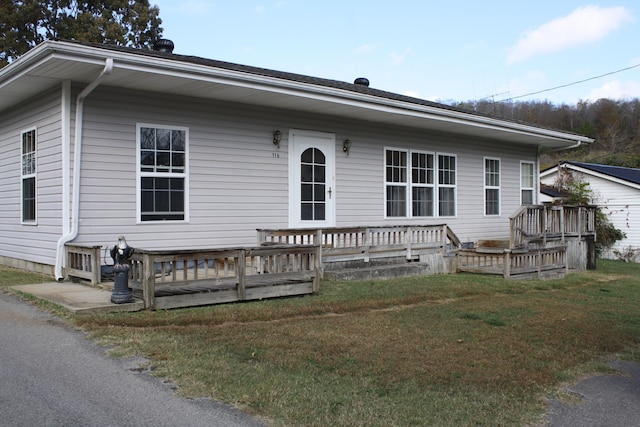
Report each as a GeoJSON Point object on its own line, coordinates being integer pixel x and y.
{"type": "Point", "coordinates": [52, 375]}
{"type": "Point", "coordinates": [604, 400]}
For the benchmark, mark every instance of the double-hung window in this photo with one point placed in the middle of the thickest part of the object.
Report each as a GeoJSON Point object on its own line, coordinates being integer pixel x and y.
{"type": "Point", "coordinates": [422, 184]}
{"type": "Point", "coordinates": [446, 185]}
{"type": "Point", "coordinates": [28, 176]}
{"type": "Point", "coordinates": [527, 177]}
{"type": "Point", "coordinates": [162, 182]}
{"type": "Point", "coordinates": [397, 182]}
{"type": "Point", "coordinates": [491, 186]}
{"type": "Point", "coordinates": [415, 184]}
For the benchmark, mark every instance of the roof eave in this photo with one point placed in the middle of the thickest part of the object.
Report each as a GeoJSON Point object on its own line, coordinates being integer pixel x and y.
{"type": "Point", "coordinates": [351, 103]}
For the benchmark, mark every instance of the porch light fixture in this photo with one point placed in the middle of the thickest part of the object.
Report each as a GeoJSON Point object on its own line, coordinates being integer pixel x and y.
{"type": "Point", "coordinates": [277, 137]}
{"type": "Point", "coordinates": [346, 146]}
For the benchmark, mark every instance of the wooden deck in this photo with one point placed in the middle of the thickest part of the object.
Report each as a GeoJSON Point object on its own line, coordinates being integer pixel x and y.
{"type": "Point", "coordinates": [347, 244]}
{"type": "Point", "coordinates": [171, 279]}
{"type": "Point", "coordinates": [528, 264]}
{"type": "Point", "coordinates": [544, 241]}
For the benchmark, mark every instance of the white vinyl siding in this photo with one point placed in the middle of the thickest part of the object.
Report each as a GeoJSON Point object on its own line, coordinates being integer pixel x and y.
{"type": "Point", "coordinates": [491, 186]}
{"type": "Point", "coordinates": [238, 180]}
{"type": "Point", "coordinates": [527, 183]}
{"type": "Point", "coordinates": [20, 239]}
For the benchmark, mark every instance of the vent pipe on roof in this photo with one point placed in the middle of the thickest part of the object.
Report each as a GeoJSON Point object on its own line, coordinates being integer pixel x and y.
{"type": "Point", "coordinates": [362, 81]}
{"type": "Point", "coordinates": [163, 45]}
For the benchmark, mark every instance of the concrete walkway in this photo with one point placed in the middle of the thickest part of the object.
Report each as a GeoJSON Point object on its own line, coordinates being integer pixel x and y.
{"type": "Point", "coordinates": [79, 298]}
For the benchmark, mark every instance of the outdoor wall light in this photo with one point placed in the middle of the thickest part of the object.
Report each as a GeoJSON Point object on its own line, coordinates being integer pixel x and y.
{"type": "Point", "coordinates": [277, 137]}
{"type": "Point", "coordinates": [346, 146]}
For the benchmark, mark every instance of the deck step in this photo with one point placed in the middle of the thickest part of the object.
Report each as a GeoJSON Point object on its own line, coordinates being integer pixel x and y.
{"type": "Point", "coordinates": [380, 272]}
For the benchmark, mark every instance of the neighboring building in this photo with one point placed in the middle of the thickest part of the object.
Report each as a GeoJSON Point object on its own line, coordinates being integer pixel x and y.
{"type": "Point", "coordinates": [615, 189]}
{"type": "Point", "coordinates": [176, 151]}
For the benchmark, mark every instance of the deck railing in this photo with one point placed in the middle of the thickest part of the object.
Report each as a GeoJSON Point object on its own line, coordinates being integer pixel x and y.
{"type": "Point", "coordinates": [367, 243]}
{"type": "Point", "coordinates": [179, 278]}
{"type": "Point", "coordinates": [542, 223]}
{"type": "Point", "coordinates": [83, 262]}
{"type": "Point", "coordinates": [534, 263]}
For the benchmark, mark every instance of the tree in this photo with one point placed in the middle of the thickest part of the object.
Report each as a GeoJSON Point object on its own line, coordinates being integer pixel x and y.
{"type": "Point", "coordinates": [24, 24]}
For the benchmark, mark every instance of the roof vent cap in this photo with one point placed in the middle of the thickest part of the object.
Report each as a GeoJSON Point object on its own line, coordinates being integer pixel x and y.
{"type": "Point", "coordinates": [163, 45]}
{"type": "Point", "coordinates": [362, 81]}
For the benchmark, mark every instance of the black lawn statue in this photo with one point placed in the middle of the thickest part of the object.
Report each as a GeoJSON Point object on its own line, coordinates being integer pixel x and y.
{"type": "Point", "coordinates": [121, 253]}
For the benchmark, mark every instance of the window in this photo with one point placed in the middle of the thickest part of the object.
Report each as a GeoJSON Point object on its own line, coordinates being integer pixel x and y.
{"type": "Point", "coordinates": [28, 176]}
{"type": "Point", "coordinates": [526, 183]}
{"type": "Point", "coordinates": [422, 180]}
{"type": "Point", "coordinates": [313, 185]}
{"type": "Point", "coordinates": [491, 186]}
{"type": "Point", "coordinates": [410, 182]}
{"type": "Point", "coordinates": [396, 177]}
{"type": "Point", "coordinates": [162, 160]}
{"type": "Point", "coordinates": [446, 185]}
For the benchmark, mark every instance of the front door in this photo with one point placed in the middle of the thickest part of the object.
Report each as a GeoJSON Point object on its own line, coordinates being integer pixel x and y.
{"type": "Point", "coordinates": [312, 179]}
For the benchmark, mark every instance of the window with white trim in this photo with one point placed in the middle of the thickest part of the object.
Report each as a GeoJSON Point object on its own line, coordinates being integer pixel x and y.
{"type": "Point", "coordinates": [491, 186]}
{"type": "Point", "coordinates": [162, 167]}
{"type": "Point", "coordinates": [422, 184]}
{"type": "Point", "coordinates": [446, 185]}
{"type": "Point", "coordinates": [414, 186]}
{"type": "Point", "coordinates": [28, 176]}
{"type": "Point", "coordinates": [527, 183]}
{"type": "Point", "coordinates": [396, 183]}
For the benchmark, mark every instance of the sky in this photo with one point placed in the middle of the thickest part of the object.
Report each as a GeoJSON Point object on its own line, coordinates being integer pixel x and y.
{"type": "Point", "coordinates": [561, 51]}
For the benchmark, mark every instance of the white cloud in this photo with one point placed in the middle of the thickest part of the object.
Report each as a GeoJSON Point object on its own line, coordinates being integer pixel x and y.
{"type": "Point", "coordinates": [398, 58]}
{"type": "Point", "coordinates": [412, 93]}
{"type": "Point", "coordinates": [616, 89]}
{"type": "Point", "coordinates": [583, 25]}
{"type": "Point", "coordinates": [365, 48]}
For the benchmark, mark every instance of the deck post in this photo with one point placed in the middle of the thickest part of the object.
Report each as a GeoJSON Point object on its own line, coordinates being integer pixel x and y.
{"type": "Point", "coordinates": [241, 267]}
{"type": "Point", "coordinates": [148, 282]}
{"type": "Point", "coordinates": [367, 243]}
{"type": "Point", "coordinates": [539, 263]}
{"type": "Point", "coordinates": [544, 226]}
{"type": "Point", "coordinates": [507, 263]}
{"type": "Point", "coordinates": [562, 222]}
{"type": "Point", "coordinates": [95, 266]}
{"type": "Point", "coordinates": [408, 239]}
{"type": "Point", "coordinates": [580, 222]}
{"type": "Point", "coordinates": [317, 269]}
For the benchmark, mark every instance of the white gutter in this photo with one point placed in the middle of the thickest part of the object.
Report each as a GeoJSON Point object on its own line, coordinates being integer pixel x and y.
{"type": "Point", "coordinates": [570, 147]}
{"type": "Point", "coordinates": [77, 158]}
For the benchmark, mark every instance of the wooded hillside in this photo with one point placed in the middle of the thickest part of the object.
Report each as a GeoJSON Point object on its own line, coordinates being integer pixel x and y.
{"type": "Point", "coordinates": [614, 124]}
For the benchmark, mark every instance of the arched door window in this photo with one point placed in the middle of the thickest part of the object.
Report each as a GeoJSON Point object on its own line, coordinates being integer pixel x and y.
{"type": "Point", "coordinates": [313, 185]}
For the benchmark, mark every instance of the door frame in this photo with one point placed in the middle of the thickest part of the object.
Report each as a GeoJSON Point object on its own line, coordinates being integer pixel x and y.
{"type": "Point", "coordinates": [300, 140]}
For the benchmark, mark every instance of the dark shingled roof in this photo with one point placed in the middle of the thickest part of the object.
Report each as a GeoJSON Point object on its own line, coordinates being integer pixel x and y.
{"type": "Point", "coordinates": [626, 174]}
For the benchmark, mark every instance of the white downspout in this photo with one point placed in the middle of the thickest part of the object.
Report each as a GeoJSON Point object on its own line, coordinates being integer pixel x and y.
{"type": "Point", "coordinates": [77, 158]}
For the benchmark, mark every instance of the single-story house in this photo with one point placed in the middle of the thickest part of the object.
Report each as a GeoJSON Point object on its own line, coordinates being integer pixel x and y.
{"type": "Point", "coordinates": [616, 189]}
{"type": "Point", "coordinates": [176, 151]}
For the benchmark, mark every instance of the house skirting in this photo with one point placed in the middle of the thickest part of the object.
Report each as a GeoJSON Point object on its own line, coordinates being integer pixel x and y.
{"type": "Point", "coordinates": [31, 266]}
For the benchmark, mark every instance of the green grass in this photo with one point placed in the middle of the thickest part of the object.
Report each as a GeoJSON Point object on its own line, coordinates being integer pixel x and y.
{"type": "Point", "coordinates": [464, 350]}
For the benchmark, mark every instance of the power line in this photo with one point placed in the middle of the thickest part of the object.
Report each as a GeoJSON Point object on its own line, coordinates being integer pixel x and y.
{"type": "Point", "coordinates": [571, 84]}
